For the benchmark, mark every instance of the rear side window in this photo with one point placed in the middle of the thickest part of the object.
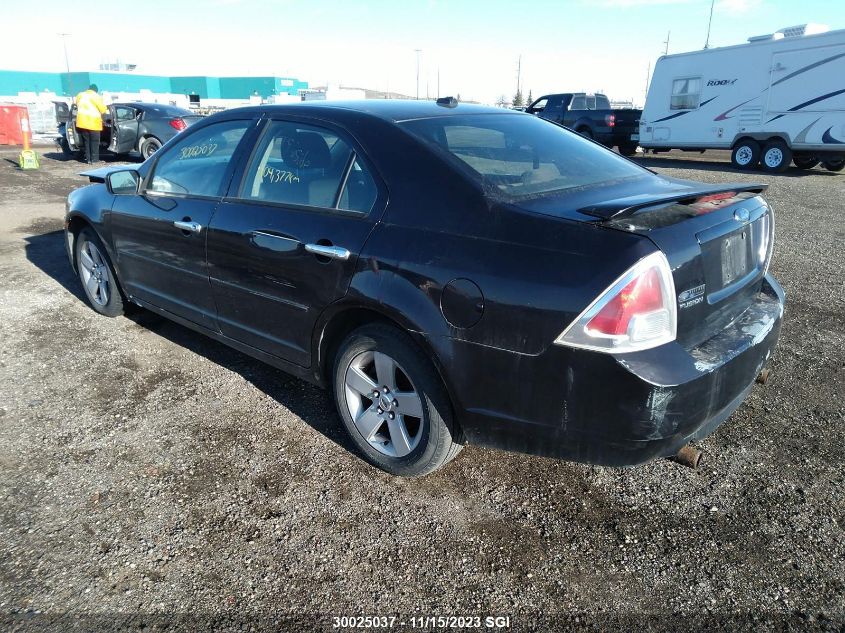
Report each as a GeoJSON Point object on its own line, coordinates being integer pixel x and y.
{"type": "Point", "coordinates": [301, 164]}
{"type": "Point", "coordinates": [197, 164]}
{"type": "Point", "coordinates": [517, 155]}
{"type": "Point", "coordinates": [602, 103]}
{"type": "Point", "coordinates": [685, 93]}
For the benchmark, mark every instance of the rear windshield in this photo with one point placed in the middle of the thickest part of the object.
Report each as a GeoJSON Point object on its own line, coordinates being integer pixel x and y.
{"type": "Point", "coordinates": [522, 155]}
{"type": "Point", "coordinates": [167, 111]}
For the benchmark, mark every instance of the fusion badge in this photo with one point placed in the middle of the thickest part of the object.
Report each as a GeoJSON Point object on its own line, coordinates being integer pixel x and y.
{"type": "Point", "coordinates": [691, 297]}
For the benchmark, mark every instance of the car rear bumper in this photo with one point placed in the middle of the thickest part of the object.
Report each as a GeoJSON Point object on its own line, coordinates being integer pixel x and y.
{"type": "Point", "coordinates": [613, 410]}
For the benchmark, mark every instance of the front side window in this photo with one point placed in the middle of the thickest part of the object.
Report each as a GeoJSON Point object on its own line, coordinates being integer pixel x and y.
{"type": "Point", "coordinates": [301, 164]}
{"type": "Point", "coordinates": [124, 113]}
{"type": "Point", "coordinates": [197, 164]}
{"type": "Point", "coordinates": [685, 93]}
{"type": "Point", "coordinates": [517, 155]}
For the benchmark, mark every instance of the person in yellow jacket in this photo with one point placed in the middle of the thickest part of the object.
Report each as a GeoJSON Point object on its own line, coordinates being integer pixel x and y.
{"type": "Point", "coordinates": [89, 121]}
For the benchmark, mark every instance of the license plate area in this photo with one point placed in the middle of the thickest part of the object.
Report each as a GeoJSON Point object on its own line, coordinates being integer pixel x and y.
{"type": "Point", "coordinates": [735, 250]}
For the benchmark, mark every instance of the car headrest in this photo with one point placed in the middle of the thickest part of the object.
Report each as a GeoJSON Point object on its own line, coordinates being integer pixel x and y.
{"type": "Point", "coordinates": [307, 150]}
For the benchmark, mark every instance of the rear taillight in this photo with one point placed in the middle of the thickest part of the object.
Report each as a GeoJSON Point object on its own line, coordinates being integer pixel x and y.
{"type": "Point", "coordinates": [637, 312]}
{"type": "Point", "coordinates": [610, 119]}
{"type": "Point", "coordinates": [178, 124]}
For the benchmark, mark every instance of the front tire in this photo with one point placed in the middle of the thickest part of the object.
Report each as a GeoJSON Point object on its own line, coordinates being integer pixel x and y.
{"type": "Point", "coordinates": [149, 146]}
{"type": "Point", "coordinates": [834, 165]}
{"type": "Point", "coordinates": [746, 154]}
{"type": "Point", "coordinates": [97, 275]}
{"type": "Point", "coordinates": [776, 156]}
{"type": "Point", "coordinates": [393, 403]}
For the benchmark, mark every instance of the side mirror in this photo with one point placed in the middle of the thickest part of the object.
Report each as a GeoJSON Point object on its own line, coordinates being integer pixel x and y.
{"type": "Point", "coordinates": [124, 183]}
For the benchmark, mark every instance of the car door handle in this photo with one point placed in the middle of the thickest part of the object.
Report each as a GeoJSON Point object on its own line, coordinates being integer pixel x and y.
{"type": "Point", "coordinates": [193, 227]}
{"type": "Point", "coordinates": [333, 252]}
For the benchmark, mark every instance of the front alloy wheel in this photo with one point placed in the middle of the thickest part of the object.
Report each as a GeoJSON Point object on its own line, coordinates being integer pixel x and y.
{"type": "Point", "coordinates": [392, 402]}
{"type": "Point", "coordinates": [96, 275]}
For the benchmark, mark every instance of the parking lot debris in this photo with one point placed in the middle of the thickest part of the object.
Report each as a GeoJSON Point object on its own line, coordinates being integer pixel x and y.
{"type": "Point", "coordinates": [688, 456]}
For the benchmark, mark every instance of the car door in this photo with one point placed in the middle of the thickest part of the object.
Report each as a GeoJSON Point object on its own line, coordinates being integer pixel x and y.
{"type": "Point", "coordinates": [284, 244]}
{"type": "Point", "coordinates": [124, 129]}
{"type": "Point", "coordinates": [554, 109]}
{"type": "Point", "coordinates": [159, 235]}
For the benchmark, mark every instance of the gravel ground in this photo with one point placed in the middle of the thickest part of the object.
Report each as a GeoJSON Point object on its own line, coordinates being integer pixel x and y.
{"type": "Point", "coordinates": [151, 478]}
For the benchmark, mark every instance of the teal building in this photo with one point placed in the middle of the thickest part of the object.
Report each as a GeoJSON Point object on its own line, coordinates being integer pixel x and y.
{"type": "Point", "coordinates": [68, 84]}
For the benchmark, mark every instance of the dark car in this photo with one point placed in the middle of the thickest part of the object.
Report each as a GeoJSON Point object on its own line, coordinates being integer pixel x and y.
{"type": "Point", "coordinates": [591, 115]}
{"type": "Point", "coordinates": [127, 127]}
{"type": "Point", "coordinates": [451, 272]}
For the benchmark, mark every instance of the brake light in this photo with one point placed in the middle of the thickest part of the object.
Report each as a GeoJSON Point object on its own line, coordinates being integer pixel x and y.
{"type": "Point", "coordinates": [706, 204]}
{"type": "Point", "coordinates": [638, 311]}
{"type": "Point", "coordinates": [610, 119]}
{"type": "Point", "coordinates": [178, 124]}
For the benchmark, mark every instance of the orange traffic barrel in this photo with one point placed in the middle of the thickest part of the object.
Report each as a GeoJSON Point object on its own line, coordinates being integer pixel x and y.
{"type": "Point", "coordinates": [14, 125]}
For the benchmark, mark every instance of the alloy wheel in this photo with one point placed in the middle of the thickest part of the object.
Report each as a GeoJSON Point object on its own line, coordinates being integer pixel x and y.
{"type": "Point", "coordinates": [95, 273]}
{"type": "Point", "coordinates": [383, 403]}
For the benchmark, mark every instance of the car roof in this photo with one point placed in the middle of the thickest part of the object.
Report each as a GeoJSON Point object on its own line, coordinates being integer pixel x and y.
{"type": "Point", "coordinates": [393, 110]}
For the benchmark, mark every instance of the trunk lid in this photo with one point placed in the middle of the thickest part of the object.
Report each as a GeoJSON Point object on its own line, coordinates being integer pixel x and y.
{"type": "Point", "coordinates": [718, 241]}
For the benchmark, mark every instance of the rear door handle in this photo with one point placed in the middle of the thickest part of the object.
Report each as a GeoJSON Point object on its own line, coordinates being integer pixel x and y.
{"type": "Point", "coordinates": [333, 252]}
{"type": "Point", "coordinates": [193, 227]}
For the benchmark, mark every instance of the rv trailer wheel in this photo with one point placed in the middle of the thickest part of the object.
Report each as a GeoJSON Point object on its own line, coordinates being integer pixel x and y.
{"type": "Point", "coordinates": [834, 165]}
{"type": "Point", "coordinates": [746, 154]}
{"type": "Point", "coordinates": [804, 161]}
{"type": "Point", "coordinates": [776, 156]}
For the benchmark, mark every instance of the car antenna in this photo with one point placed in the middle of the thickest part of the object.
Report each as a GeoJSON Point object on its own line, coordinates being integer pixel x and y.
{"type": "Point", "coordinates": [447, 102]}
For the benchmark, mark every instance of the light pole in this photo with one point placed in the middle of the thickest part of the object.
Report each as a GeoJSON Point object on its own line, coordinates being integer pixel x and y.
{"type": "Point", "coordinates": [418, 51]}
{"type": "Point", "coordinates": [709, 23]}
{"type": "Point", "coordinates": [67, 63]}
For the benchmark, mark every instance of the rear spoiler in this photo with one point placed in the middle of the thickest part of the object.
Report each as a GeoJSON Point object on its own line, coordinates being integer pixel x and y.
{"type": "Point", "coordinates": [99, 174]}
{"type": "Point", "coordinates": [624, 207]}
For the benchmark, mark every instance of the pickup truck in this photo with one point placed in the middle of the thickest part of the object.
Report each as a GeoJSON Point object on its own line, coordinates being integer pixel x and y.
{"type": "Point", "coordinates": [591, 115]}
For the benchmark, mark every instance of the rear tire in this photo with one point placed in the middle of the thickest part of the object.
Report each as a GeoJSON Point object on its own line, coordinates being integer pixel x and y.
{"type": "Point", "coordinates": [585, 132]}
{"type": "Point", "coordinates": [804, 162]}
{"type": "Point", "coordinates": [407, 430]}
{"type": "Point", "coordinates": [628, 150]}
{"type": "Point", "coordinates": [834, 165]}
{"type": "Point", "coordinates": [99, 283]}
{"type": "Point", "coordinates": [746, 154]}
{"type": "Point", "coordinates": [149, 146]}
{"type": "Point", "coordinates": [776, 156]}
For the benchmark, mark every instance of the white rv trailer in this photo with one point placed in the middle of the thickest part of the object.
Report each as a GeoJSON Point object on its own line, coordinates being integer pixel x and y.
{"type": "Point", "coordinates": [780, 97]}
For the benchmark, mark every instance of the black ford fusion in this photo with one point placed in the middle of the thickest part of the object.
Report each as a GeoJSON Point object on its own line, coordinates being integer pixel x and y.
{"type": "Point", "coordinates": [452, 273]}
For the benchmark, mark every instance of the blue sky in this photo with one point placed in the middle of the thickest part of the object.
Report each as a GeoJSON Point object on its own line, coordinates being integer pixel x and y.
{"type": "Point", "coordinates": [565, 44]}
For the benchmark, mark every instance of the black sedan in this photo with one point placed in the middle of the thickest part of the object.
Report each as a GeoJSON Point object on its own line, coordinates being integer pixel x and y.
{"type": "Point", "coordinates": [453, 274]}
{"type": "Point", "coordinates": [128, 127]}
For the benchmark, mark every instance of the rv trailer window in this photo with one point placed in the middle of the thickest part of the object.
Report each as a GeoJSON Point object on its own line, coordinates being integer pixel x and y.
{"type": "Point", "coordinates": [685, 93]}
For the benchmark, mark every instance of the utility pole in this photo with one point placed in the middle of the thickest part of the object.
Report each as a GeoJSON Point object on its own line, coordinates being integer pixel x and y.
{"type": "Point", "coordinates": [418, 51]}
{"type": "Point", "coordinates": [709, 24]}
{"type": "Point", "coordinates": [67, 63]}
{"type": "Point", "coordinates": [666, 41]}
{"type": "Point", "coordinates": [519, 74]}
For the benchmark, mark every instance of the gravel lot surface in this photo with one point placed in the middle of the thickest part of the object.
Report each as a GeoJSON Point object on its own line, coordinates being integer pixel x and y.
{"type": "Point", "coordinates": [150, 475]}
